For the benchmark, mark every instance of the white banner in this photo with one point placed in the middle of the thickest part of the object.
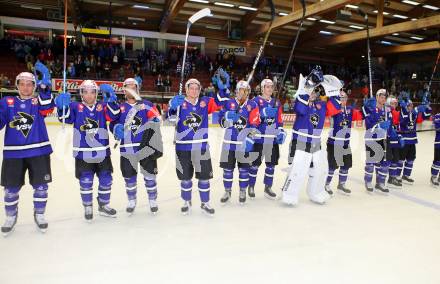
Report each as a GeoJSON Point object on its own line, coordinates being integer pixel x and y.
{"type": "Point", "coordinates": [232, 49]}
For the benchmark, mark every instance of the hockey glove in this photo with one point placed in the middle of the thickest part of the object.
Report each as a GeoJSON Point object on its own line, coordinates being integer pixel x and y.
{"type": "Point", "coordinates": [232, 116]}
{"type": "Point", "coordinates": [176, 101]}
{"type": "Point", "coordinates": [385, 125]}
{"type": "Point", "coordinates": [118, 131]}
{"type": "Point", "coordinates": [108, 93]}
{"type": "Point", "coordinates": [269, 112]}
{"type": "Point", "coordinates": [62, 100]}
{"type": "Point", "coordinates": [281, 137]}
{"type": "Point", "coordinates": [45, 75]}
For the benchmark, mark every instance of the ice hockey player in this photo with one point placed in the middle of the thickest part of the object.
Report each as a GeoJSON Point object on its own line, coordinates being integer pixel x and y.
{"type": "Point", "coordinates": [377, 123]}
{"type": "Point", "coordinates": [435, 168]}
{"type": "Point", "coordinates": [270, 135]}
{"type": "Point", "coordinates": [26, 145]}
{"type": "Point", "coordinates": [306, 143]}
{"type": "Point", "coordinates": [394, 144]}
{"type": "Point", "coordinates": [91, 148]}
{"type": "Point", "coordinates": [338, 143]}
{"type": "Point", "coordinates": [408, 128]}
{"type": "Point", "coordinates": [240, 118]}
{"type": "Point", "coordinates": [190, 113]}
{"type": "Point", "coordinates": [131, 120]}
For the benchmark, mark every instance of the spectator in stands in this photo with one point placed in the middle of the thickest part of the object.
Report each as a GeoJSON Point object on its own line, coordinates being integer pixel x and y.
{"type": "Point", "coordinates": [179, 68]}
{"type": "Point", "coordinates": [71, 72]}
{"type": "Point", "coordinates": [210, 91]}
{"type": "Point", "coordinates": [159, 83]}
{"type": "Point", "coordinates": [167, 84]}
{"type": "Point", "coordinates": [121, 75]}
{"type": "Point", "coordinates": [4, 81]}
{"type": "Point", "coordinates": [107, 70]}
{"type": "Point", "coordinates": [58, 68]}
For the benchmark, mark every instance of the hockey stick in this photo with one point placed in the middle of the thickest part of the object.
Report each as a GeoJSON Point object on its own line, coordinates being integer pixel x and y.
{"type": "Point", "coordinates": [194, 18]}
{"type": "Point", "coordinates": [433, 71]}
{"type": "Point", "coordinates": [370, 76]}
{"type": "Point", "coordinates": [65, 61]}
{"type": "Point", "coordinates": [289, 61]}
{"type": "Point", "coordinates": [260, 51]}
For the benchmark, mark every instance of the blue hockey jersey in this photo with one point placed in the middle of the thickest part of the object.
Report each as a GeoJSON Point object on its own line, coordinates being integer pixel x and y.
{"type": "Point", "coordinates": [436, 122]}
{"type": "Point", "coordinates": [268, 127]}
{"type": "Point", "coordinates": [341, 121]}
{"type": "Point", "coordinates": [408, 123]}
{"type": "Point", "coordinates": [234, 131]}
{"type": "Point", "coordinates": [26, 134]}
{"type": "Point", "coordinates": [309, 120]}
{"type": "Point", "coordinates": [192, 123]}
{"type": "Point", "coordinates": [90, 130]}
{"type": "Point", "coordinates": [372, 117]}
{"type": "Point", "coordinates": [118, 113]}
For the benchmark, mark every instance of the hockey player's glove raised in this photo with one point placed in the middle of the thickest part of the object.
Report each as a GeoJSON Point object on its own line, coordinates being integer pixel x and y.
{"type": "Point", "coordinates": [385, 125]}
{"type": "Point", "coordinates": [268, 112]}
{"type": "Point", "coordinates": [421, 108]}
{"type": "Point", "coordinates": [281, 137]}
{"type": "Point", "coordinates": [108, 93]}
{"type": "Point", "coordinates": [118, 131]}
{"type": "Point", "coordinates": [403, 103]}
{"type": "Point", "coordinates": [176, 101]}
{"type": "Point", "coordinates": [62, 100]}
{"type": "Point", "coordinates": [232, 116]}
{"type": "Point", "coordinates": [370, 103]}
{"type": "Point", "coordinates": [45, 75]}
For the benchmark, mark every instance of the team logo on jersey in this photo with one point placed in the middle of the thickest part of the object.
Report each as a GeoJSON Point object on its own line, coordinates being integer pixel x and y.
{"type": "Point", "coordinates": [122, 109]}
{"type": "Point", "coordinates": [99, 107]}
{"type": "Point", "coordinates": [202, 104]}
{"type": "Point", "coordinates": [193, 121]}
{"type": "Point", "coordinates": [35, 101]}
{"type": "Point", "coordinates": [269, 121]}
{"type": "Point", "coordinates": [232, 106]}
{"type": "Point", "coordinates": [184, 105]}
{"type": "Point", "coordinates": [344, 123]}
{"type": "Point", "coordinates": [318, 107]}
{"type": "Point", "coordinates": [90, 126]}
{"type": "Point", "coordinates": [314, 120]}
{"type": "Point", "coordinates": [240, 124]}
{"type": "Point", "coordinates": [249, 108]}
{"type": "Point", "coordinates": [411, 125]}
{"type": "Point", "coordinates": [80, 107]}
{"type": "Point", "coordinates": [135, 124]}
{"type": "Point", "coordinates": [22, 122]}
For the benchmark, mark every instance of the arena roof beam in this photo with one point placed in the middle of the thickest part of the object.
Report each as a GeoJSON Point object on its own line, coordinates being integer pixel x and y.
{"type": "Point", "coordinates": [379, 18]}
{"type": "Point", "coordinates": [431, 45]}
{"type": "Point", "coordinates": [314, 9]}
{"type": "Point", "coordinates": [252, 15]}
{"type": "Point", "coordinates": [170, 14]}
{"type": "Point", "coordinates": [385, 30]}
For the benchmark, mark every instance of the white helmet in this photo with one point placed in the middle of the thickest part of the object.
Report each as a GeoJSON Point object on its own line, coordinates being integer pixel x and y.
{"type": "Point", "coordinates": [192, 81]}
{"type": "Point", "coordinates": [129, 81]}
{"type": "Point", "coordinates": [391, 99]}
{"type": "Point", "coordinates": [27, 76]}
{"type": "Point", "coordinates": [88, 85]}
{"type": "Point", "coordinates": [381, 92]}
{"type": "Point", "coordinates": [264, 83]}
{"type": "Point", "coordinates": [242, 85]}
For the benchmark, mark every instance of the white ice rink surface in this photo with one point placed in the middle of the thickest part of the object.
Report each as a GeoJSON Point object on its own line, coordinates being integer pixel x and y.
{"type": "Point", "coordinates": [360, 238]}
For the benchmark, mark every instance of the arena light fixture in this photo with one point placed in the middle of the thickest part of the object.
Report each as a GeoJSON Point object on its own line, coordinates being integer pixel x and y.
{"type": "Point", "coordinates": [282, 14]}
{"type": "Point", "coordinates": [141, 7]}
{"type": "Point", "coordinates": [311, 19]}
{"type": "Point", "coordinates": [417, 38]}
{"type": "Point", "coordinates": [325, 32]}
{"type": "Point", "coordinates": [352, 6]}
{"type": "Point", "coordinates": [385, 42]}
{"type": "Point", "coordinates": [395, 34]}
{"type": "Point", "coordinates": [32, 7]}
{"type": "Point", "coordinates": [223, 4]}
{"type": "Point", "coordinates": [136, 19]}
{"type": "Point", "coordinates": [327, 22]}
{"type": "Point", "coordinates": [411, 2]}
{"type": "Point", "coordinates": [430, 7]}
{"type": "Point", "coordinates": [385, 13]}
{"type": "Point", "coordinates": [356, 27]}
{"type": "Point", "coordinates": [400, 16]}
{"type": "Point", "coordinates": [200, 1]}
{"type": "Point", "coordinates": [247, 8]}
